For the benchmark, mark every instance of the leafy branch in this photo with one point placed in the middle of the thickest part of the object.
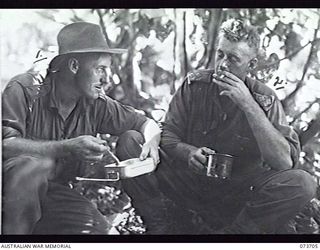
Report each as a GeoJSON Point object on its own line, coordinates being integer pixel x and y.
{"type": "Point", "coordinates": [75, 17]}
{"type": "Point", "coordinates": [305, 69]}
{"type": "Point", "coordinates": [292, 54]}
{"type": "Point", "coordinates": [313, 130]}
{"type": "Point", "coordinates": [102, 25]}
{"type": "Point", "coordinates": [317, 100]}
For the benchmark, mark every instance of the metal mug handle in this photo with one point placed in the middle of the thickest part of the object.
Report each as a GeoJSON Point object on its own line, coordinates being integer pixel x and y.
{"type": "Point", "coordinates": [210, 166]}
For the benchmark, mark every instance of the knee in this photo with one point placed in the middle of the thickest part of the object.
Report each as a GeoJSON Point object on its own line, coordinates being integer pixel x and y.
{"type": "Point", "coordinates": [26, 170]}
{"type": "Point", "coordinates": [33, 164]}
{"type": "Point", "coordinates": [129, 138]}
{"type": "Point", "coordinates": [306, 184]}
{"type": "Point", "coordinates": [129, 145]}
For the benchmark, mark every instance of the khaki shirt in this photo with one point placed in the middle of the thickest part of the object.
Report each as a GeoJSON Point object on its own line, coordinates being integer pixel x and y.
{"type": "Point", "coordinates": [198, 116]}
{"type": "Point", "coordinates": [30, 111]}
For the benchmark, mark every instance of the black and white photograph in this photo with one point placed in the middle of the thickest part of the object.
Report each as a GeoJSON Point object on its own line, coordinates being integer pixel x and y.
{"type": "Point", "coordinates": [163, 121]}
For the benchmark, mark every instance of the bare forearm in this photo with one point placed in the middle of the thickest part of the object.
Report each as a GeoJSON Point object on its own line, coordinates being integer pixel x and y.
{"type": "Point", "coordinates": [183, 150]}
{"type": "Point", "coordinates": [16, 146]}
{"type": "Point", "coordinates": [151, 131]}
{"type": "Point", "coordinates": [274, 147]}
{"type": "Point", "coordinates": [174, 146]}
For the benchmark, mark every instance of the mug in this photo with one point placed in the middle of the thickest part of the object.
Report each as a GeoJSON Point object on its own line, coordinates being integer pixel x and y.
{"type": "Point", "coordinates": [219, 165]}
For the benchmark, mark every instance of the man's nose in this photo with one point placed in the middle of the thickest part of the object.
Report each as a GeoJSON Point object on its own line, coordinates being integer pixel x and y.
{"type": "Point", "coordinates": [103, 79]}
{"type": "Point", "coordinates": [106, 76]}
{"type": "Point", "coordinates": [224, 65]}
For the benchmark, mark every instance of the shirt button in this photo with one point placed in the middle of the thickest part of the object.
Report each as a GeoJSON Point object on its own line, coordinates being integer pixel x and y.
{"type": "Point", "coordinates": [204, 132]}
{"type": "Point", "coordinates": [251, 188]}
{"type": "Point", "coordinates": [192, 76]}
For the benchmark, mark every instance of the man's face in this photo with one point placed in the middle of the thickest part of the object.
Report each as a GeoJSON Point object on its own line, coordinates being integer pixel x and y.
{"type": "Point", "coordinates": [92, 75]}
{"type": "Point", "coordinates": [233, 57]}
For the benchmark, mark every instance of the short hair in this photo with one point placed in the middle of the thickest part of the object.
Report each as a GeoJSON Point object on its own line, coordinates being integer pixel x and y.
{"type": "Point", "coordinates": [60, 63]}
{"type": "Point", "coordinates": [236, 30]}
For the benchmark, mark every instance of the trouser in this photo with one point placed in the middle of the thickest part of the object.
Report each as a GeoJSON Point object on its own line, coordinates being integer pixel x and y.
{"type": "Point", "coordinates": [144, 190]}
{"type": "Point", "coordinates": [33, 204]}
{"type": "Point", "coordinates": [25, 182]}
{"type": "Point", "coordinates": [258, 203]}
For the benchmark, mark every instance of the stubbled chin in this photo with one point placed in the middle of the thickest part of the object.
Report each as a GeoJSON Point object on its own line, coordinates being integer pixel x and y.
{"type": "Point", "coordinates": [93, 95]}
{"type": "Point", "coordinates": [96, 96]}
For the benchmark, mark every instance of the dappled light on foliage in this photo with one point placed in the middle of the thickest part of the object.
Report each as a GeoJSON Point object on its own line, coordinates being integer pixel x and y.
{"type": "Point", "coordinates": [164, 44]}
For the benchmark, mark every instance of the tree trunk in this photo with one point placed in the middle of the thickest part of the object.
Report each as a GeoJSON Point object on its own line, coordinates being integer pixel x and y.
{"type": "Point", "coordinates": [181, 52]}
{"type": "Point", "coordinates": [128, 85]}
{"type": "Point", "coordinates": [184, 48]}
{"type": "Point", "coordinates": [172, 85]}
{"type": "Point", "coordinates": [216, 17]}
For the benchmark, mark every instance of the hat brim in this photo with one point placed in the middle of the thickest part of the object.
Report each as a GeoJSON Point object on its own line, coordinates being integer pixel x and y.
{"type": "Point", "coordinates": [93, 50]}
{"type": "Point", "coordinates": [97, 50]}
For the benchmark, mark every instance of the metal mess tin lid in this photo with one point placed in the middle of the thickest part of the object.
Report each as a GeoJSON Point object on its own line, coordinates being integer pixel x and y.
{"type": "Point", "coordinates": [132, 163]}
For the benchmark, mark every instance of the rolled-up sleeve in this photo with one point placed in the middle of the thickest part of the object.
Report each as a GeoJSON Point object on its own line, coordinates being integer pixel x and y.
{"type": "Point", "coordinates": [277, 116]}
{"type": "Point", "coordinates": [173, 139]}
{"type": "Point", "coordinates": [14, 111]}
{"type": "Point", "coordinates": [115, 118]}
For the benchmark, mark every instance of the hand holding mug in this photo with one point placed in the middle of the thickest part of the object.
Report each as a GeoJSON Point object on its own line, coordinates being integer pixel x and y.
{"type": "Point", "coordinates": [197, 160]}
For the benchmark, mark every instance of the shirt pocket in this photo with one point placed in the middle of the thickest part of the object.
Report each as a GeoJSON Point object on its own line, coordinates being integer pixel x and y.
{"type": "Point", "coordinates": [203, 134]}
{"type": "Point", "coordinates": [198, 133]}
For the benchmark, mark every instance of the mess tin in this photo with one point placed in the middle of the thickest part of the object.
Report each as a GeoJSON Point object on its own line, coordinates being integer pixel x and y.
{"type": "Point", "coordinates": [124, 169]}
{"type": "Point", "coordinates": [129, 168]}
{"type": "Point", "coordinates": [219, 165]}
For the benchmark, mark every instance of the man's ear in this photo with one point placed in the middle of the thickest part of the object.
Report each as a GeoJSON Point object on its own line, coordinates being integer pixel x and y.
{"type": "Point", "coordinates": [73, 65]}
{"type": "Point", "coordinates": [253, 63]}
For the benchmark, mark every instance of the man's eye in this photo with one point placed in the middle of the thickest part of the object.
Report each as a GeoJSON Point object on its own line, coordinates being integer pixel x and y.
{"type": "Point", "coordinates": [220, 54]}
{"type": "Point", "coordinates": [233, 60]}
{"type": "Point", "coordinates": [101, 70]}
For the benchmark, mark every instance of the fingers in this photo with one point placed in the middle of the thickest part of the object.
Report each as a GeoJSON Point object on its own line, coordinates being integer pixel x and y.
{"type": "Point", "coordinates": [95, 147]}
{"type": "Point", "coordinates": [155, 156]}
{"type": "Point", "coordinates": [225, 78]}
{"type": "Point", "coordinates": [196, 165]}
{"type": "Point", "coordinates": [153, 152]}
{"type": "Point", "coordinates": [96, 144]}
{"type": "Point", "coordinates": [92, 139]}
{"type": "Point", "coordinates": [91, 143]}
{"type": "Point", "coordinates": [208, 150]}
{"type": "Point", "coordinates": [199, 160]}
{"type": "Point", "coordinates": [200, 157]}
{"type": "Point", "coordinates": [97, 140]}
{"type": "Point", "coordinates": [230, 76]}
{"type": "Point", "coordinates": [144, 153]}
{"type": "Point", "coordinates": [227, 88]}
{"type": "Point", "coordinates": [226, 93]}
{"type": "Point", "coordinates": [222, 84]}
{"type": "Point", "coordinates": [93, 157]}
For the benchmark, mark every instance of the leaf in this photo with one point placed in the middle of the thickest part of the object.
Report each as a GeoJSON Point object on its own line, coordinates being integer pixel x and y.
{"type": "Point", "coordinates": [292, 42]}
{"type": "Point", "coordinates": [153, 13]}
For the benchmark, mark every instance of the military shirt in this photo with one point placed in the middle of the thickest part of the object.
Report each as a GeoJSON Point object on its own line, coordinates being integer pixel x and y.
{"type": "Point", "coordinates": [199, 117]}
{"type": "Point", "coordinates": [30, 111]}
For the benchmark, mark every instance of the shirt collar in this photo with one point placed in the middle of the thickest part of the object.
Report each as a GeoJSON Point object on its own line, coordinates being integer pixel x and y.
{"type": "Point", "coordinates": [52, 99]}
{"type": "Point", "coordinates": [52, 103]}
